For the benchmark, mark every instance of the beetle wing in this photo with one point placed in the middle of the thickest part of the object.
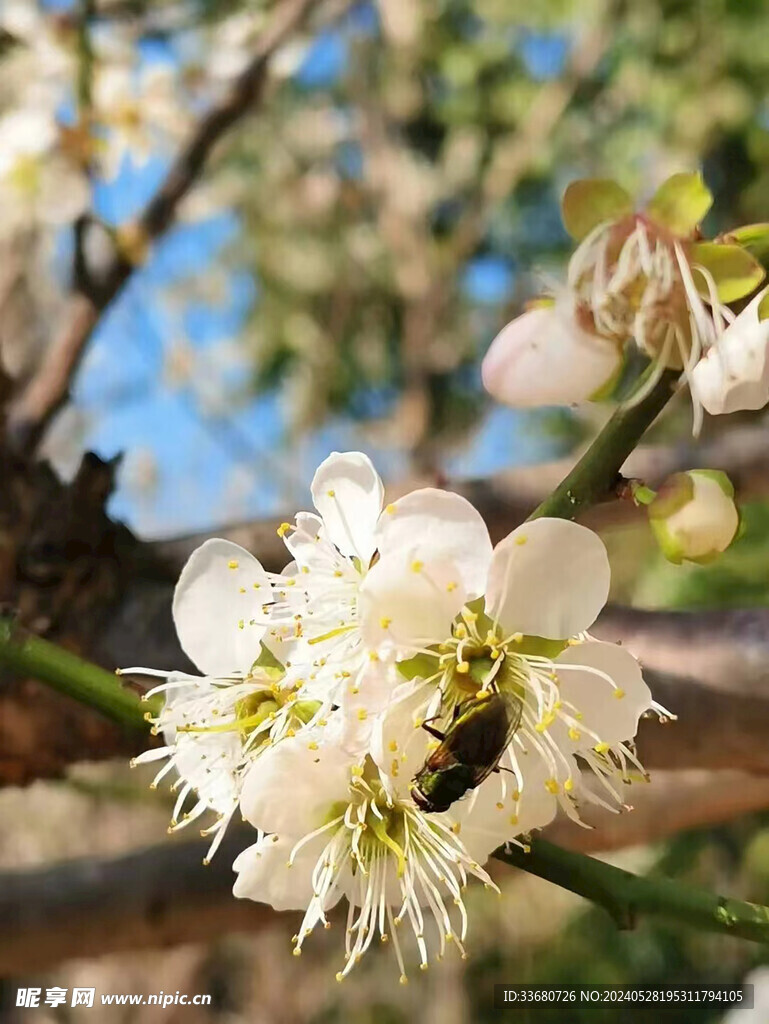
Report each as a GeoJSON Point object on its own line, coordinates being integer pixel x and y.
{"type": "Point", "coordinates": [482, 733]}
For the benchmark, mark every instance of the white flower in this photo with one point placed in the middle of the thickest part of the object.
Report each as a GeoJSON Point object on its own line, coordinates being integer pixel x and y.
{"type": "Point", "coordinates": [634, 280]}
{"type": "Point", "coordinates": [140, 110]}
{"type": "Point", "coordinates": [317, 596]}
{"type": "Point", "coordinates": [38, 183]}
{"type": "Point", "coordinates": [216, 725]}
{"type": "Point", "coordinates": [734, 372]}
{"type": "Point", "coordinates": [544, 586]}
{"type": "Point", "coordinates": [214, 728]}
{"type": "Point", "coordinates": [546, 357]}
{"type": "Point", "coordinates": [41, 65]}
{"type": "Point", "coordinates": [340, 830]}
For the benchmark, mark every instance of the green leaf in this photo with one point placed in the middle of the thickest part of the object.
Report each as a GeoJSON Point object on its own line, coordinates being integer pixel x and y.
{"type": "Point", "coordinates": [754, 238]}
{"type": "Point", "coordinates": [763, 308]}
{"type": "Point", "coordinates": [734, 270]}
{"type": "Point", "coordinates": [592, 201]}
{"type": "Point", "coordinates": [680, 203]}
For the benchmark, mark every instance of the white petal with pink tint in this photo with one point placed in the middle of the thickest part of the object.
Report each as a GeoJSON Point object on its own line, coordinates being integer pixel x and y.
{"type": "Point", "coordinates": [544, 357]}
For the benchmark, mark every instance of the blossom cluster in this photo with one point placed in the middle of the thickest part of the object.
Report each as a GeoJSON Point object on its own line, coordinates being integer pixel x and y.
{"type": "Point", "coordinates": [79, 101]}
{"type": "Point", "coordinates": [328, 688]}
{"type": "Point", "coordinates": [642, 282]}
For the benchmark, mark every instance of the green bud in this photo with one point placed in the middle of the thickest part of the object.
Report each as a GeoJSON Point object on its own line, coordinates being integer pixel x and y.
{"type": "Point", "coordinates": [642, 495]}
{"type": "Point", "coordinates": [694, 517]}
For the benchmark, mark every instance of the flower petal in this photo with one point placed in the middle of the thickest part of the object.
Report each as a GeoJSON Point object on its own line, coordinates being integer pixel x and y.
{"type": "Point", "coordinates": [220, 591]}
{"type": "Point", "coordinates": [583, 685]}
{"type": "Point", "coordinates": [362, 698]}
{"type": "Point", "coordinates": [497, 811]}
{"type": "Point", "coordinates": [437, 525]}
{"type": "Point", "coordinates": [548, 578]}
{"type": "Point", "coordinates": [399, 745]}
{"type": "Point", "coordinates": [406, 604]}
{"type": "Point", "coordinates": [302, 541]}
{"type": "Point", "coordinates": [264, 873]}
{"type": "Point", "coordinates": [733, 375]}
{"type": "Point", "coordinates": [201, 704]}
{"type": "Point", "coordinates": [292, 787]}
{"type": "Point", "coordinates": [348, 493]}
{"type": "Point", "coordinates": [544, 357]}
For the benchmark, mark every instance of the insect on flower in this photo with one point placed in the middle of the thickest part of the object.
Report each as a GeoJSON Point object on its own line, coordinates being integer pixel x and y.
{"type": "Point", "coordinates": [469, 751]}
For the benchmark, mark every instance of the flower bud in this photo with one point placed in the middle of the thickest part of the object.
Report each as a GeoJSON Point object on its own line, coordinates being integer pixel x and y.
{"type": "Point", "coordinates": [693, 516]}
{"type": "Point", "coordinates": [544, 357]}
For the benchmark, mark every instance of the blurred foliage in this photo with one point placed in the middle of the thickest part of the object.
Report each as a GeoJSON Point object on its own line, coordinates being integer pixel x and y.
{"type": "Point", "coordinates": [379, 195]}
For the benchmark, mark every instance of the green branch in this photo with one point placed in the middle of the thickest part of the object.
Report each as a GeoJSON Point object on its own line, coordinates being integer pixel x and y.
{"type": "Point", "coordinates": [29, 655]}
{"type": "Point", "coordinates": [595, 476]}
{"type": "Point", "coordinates": [626, 896]}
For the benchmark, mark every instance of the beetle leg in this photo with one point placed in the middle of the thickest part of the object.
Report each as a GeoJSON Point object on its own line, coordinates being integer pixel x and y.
{"type": "Point", "coordinates": [433, 732]}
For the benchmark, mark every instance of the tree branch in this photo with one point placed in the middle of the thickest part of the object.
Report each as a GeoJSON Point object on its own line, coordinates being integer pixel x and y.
{"type": "Point", "coordinates": [30, 655]}
{"type": "Point", "coordinates": [597, 473]}
{"type": "Point", "coordinates": [163, 895]}
{"type": "Point", "coordinates": [505, 499]}
{"type": "Point", "coordinates": [155, 897]}
{"type": "Point", "coordinates": [626, 896]}
{"type": "Point", "coordinates": [674, 801]}
{"type": "Point", "coordinates": [48, 389]}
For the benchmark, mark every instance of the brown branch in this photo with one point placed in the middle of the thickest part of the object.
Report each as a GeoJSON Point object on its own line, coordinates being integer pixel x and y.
{"type": "Point", "coordinates": [714, 729]}
{"type": "Point", "coordinates": [157, 897]}
{"type": "Point", "coordinates": [48, 389]}
{"type": "Point", "coordinates": [162, 895]}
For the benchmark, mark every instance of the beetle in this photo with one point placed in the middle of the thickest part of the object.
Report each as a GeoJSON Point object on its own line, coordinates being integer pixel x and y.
{"type": "Point", "coordinates": [469, 750]}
